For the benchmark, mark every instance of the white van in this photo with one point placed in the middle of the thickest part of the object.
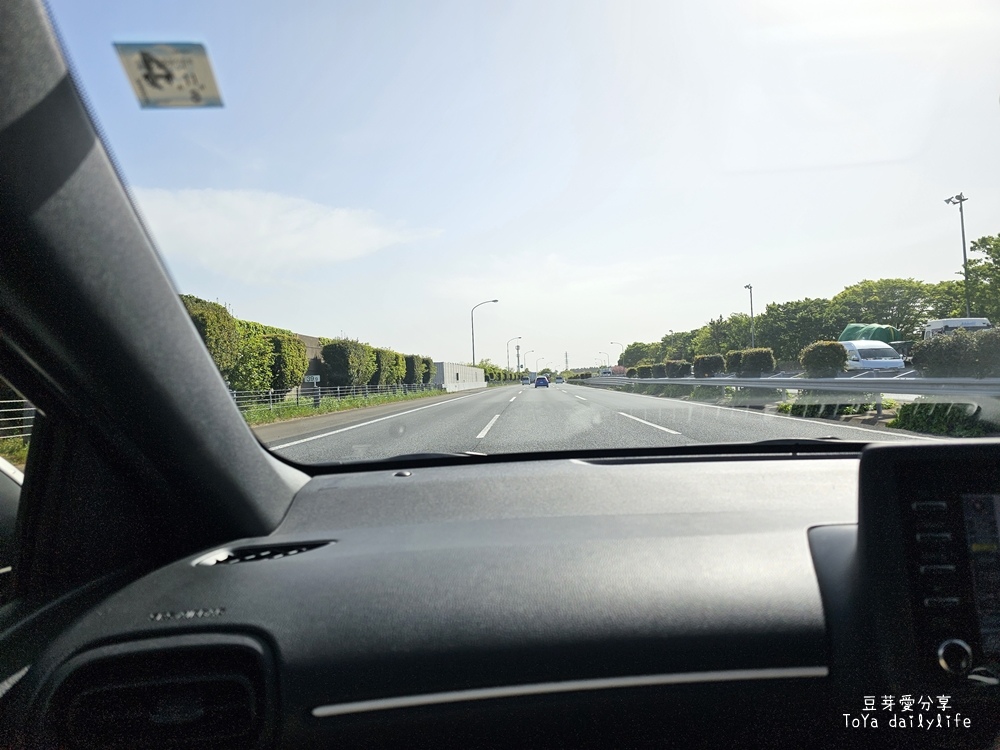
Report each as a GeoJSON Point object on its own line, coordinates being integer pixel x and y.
{"type": "Point", "coordinates": [950, 325]}
{"type": "Point", "coordinates": [872, 355]}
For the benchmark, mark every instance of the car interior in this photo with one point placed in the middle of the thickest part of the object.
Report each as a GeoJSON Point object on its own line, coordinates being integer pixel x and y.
{"type": "Point", "coordinates": [173, 584]}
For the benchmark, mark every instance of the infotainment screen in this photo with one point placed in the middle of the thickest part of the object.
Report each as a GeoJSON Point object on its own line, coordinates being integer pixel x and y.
{"type": "Point", "coordinates": [982, 532]}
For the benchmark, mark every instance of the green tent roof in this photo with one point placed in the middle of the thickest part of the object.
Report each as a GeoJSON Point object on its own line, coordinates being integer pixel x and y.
{"type": "Point", "coordinates": [870, 332]}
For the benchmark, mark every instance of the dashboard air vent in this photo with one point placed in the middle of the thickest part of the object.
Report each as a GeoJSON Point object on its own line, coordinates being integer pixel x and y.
{"type": "Point", "coordinates": [213, 695]}
{"type": "Point", "coordinates": [257, 553]}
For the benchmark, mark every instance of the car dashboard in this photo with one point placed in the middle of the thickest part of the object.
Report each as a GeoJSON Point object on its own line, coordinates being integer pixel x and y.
{"type": "Point", "coordinates": [566, 602]}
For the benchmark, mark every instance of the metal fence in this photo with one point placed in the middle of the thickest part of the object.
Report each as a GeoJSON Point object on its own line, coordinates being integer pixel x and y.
{"type": "Point", "coordinates": [276, 400]}
{"type": "Point", "coordinates": [16, 419]}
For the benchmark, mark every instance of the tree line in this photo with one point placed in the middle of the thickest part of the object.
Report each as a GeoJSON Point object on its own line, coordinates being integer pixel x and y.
{"type": "Point", "coordinates": [788, 327]}
{"type": "Point", "coordinates": [255, 357]}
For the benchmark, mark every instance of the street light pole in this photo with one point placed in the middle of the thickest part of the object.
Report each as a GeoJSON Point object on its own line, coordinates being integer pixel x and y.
{"type": "Point", "coordinates": [526, 358]}
{"type": "Point", "coordinates": [517, 351]}
{"type": "Point", "coordinates": [623, 350]}
{"type": "Point", "coordinates": [752, 342]}
{"type": "Point", "coordinates": [537, 360]}
{"type": "Point", "coordinates": [508, 351]}
{"type": "Point", "coordinates": [607, 358]}
{"type": "Point", "coordinates": [472, 315]}
{"type": "Point", "coordinates": [960, 199]}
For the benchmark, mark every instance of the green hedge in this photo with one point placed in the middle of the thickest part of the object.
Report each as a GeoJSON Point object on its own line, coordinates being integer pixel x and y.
{"type": "Point", "coordinates": [960, 355]}
{"type": "Point", "coordinates": [289, 361]}
{"type": "Point", "coordinates": [678, 368]}
{"type": "Point", "coordinates": [349, 362]}
{"type": "Point", "coordinates": [660, 370]}
{"type": "Point", "coordinates": [631, 372]}
{"type": "Point", "coordinates": [956, 420]}
{"type": "Point", "coordinates": [756, 362]}
{"type": "Point", "coordinates": [707, 365]}
{"type": "Point", "coordinates": [645, 371]}
{"type": "Point", "coordinates": [823, 359]}
{"type": "Point", "coordinates": [733, 359]}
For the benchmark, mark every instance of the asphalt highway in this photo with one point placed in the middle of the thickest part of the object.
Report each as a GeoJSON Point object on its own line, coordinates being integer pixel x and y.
{"type": "Point", "coordinates": [515, 419]}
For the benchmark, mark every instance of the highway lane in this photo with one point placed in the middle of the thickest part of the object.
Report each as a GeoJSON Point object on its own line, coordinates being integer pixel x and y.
{"type": "Point", "coordinates": [528, 419]}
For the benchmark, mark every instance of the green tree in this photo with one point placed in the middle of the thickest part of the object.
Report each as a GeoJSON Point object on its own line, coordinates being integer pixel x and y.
{"type": "Point", "coordinates": [984, 278]}
{"type": "Point", "coordinates": [946, 299]}
{"type": "Point", "coordinates": [787, 327]}
{"type": "Point", "coordinates": [637, 352]}
{"type": "Point", "coordinates": [901, 303]}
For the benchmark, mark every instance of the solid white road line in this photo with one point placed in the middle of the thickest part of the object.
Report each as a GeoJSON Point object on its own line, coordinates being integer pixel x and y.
{"type": "Point", "coordinates": [800, 420]}
{"type": "Point", "coordinates": [487, 427]}
{"type": "Point", "coordinates": [665, 429]}
{"type": "Point", "coordinates": [372, 421]}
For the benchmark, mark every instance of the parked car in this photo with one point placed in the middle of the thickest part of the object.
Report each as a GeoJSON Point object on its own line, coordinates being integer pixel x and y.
{"type": "Point", "coordinates": [872, 355]}
{"type": "Point", "coordinates": [541, 382]}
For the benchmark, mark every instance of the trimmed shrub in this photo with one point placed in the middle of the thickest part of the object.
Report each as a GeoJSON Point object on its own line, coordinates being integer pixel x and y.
{"type": "Point", "coordinates": [954, 356]}
{"type": "Point", "coordinates": [252, 369]}
{"type": "Point", "coordinates": [289, 361]}
{"type": "Point", "coordinates": [349, 362]}
{"type": "Point", "coordinates": [755, 362]}
{"type": "Point", "coordinates": [217, 329]}
{"type": "Point", "coordinates": [630, 372]}
{"type": "Point", "coordinates": [823, 359]}
{"type": "Point", "coordinates": [707, 365]}
{"type": "Point", "coordinates": [645, 371]}
{"type": "Point", "coordinates": [390, 368]}
{"type": "Point", "coordinates": [660, 370]}
{"type": "Point", "coordinates": [414, 369]}
{"type": "Point", "coordinates": [429, 371]}
{"type": "Point", "coordinates": [678, 368]}
{"type": "Point", "coordinates": [988, 353]}
{"type": "Point", "coordinates": [733, 360]}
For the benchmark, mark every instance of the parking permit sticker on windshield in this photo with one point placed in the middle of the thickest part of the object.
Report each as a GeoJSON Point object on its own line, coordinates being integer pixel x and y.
{"type": "Point", "coordinates": [170, 75]}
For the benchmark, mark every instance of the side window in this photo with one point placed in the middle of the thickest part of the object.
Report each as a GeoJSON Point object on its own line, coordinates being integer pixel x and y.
{"type": "Point", "coordinates": [16, 418]}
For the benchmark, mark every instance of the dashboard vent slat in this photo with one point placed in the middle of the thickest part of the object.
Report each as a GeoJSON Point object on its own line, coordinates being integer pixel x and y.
{"type": "Point", "coordinates": [258, 553]}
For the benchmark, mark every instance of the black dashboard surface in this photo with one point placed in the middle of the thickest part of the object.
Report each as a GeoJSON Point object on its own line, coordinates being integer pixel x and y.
{"type": "Point", "coordinates": [580, 577]}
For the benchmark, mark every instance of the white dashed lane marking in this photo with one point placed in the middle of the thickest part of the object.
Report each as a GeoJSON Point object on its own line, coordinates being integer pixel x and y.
{"type": "Point", "coordinates": [659, 427]}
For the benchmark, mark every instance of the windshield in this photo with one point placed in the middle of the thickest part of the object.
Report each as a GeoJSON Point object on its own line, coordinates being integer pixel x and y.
{"type": "Point", "coordinates": [389, 220]}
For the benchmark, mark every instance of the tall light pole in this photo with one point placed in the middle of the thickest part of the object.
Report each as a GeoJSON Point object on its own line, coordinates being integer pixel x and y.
{"type": "Point", "coordinates": [517, 351]}
{"type": "Point", "coordinates": [623, 350]}
{"type": "Point", "coordinates": [526, 358]}
{"type": "Point", "coordinates": [537, 360]}
{"type": "Point", "coordinates": [508, 351]}
{"type": "Point", "coordinates": [960, 199]}
{"type": "Point", "coordinates": [472, 315]}
{"type": "Point", "coordinates": [750, 287]}
{"type": "Point", "coordinates": [607, 358]}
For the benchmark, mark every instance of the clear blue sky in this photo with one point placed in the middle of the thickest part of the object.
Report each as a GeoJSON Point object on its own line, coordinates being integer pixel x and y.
{"type": "Point", "coordinates": [608, 170]}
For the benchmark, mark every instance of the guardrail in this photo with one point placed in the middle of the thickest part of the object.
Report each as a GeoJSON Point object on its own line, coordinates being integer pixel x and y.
{"type": "Point", "coordinates": [912, 386]}
{"type": "Point", "coordinates": [276, 400]}
{"type": "Point", "coordinates": [963, 387]}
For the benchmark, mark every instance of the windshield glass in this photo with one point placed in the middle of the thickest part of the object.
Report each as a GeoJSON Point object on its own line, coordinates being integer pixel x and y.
{"type": "Point", "coordinates": [390, 220]}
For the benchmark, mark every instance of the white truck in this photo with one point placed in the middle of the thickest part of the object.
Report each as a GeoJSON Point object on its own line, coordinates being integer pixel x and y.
{"type": "Point", "coordinates": [949, 325]}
